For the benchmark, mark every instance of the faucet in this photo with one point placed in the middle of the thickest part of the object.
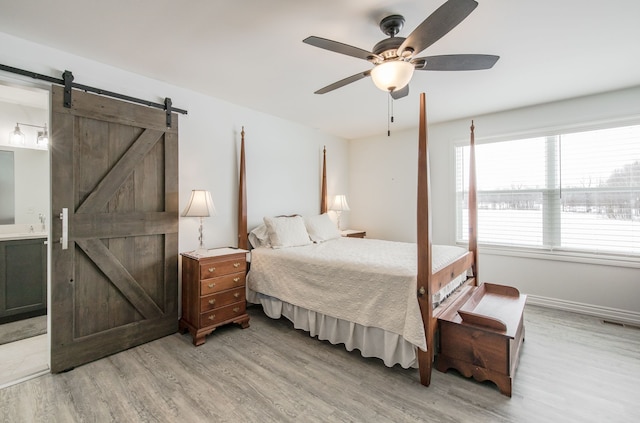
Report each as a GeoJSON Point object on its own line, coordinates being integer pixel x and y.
{"type": "Point", "coordinates": [42, 220]}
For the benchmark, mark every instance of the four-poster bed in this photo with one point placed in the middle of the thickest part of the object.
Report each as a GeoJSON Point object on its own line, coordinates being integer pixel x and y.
{"type": "Point", "coordinates": [396, 333]}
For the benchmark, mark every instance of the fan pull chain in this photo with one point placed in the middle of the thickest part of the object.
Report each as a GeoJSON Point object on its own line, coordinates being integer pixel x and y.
{"type": "Point", "coordinates": [389, 114]}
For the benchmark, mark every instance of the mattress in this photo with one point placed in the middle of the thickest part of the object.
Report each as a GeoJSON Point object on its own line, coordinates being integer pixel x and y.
{"type": "Point", "coordinates": [366, 282]}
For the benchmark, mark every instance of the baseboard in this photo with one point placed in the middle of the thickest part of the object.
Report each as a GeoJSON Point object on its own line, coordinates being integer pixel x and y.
{"type": "Point", "coordinates": [605, 313]}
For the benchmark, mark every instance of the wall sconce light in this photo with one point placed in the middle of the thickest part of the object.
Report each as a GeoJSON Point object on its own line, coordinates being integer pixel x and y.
{"type": "Point", "coordinates": [200, 205]}
{"type": "Point", "coordinates": [16, 137]}
{"type": "Point", "coordinates": [43, 137]}
{"type": "Point", "coordinates": [339, 205]}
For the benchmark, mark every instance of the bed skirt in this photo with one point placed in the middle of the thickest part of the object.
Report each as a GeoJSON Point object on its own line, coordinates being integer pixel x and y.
{"type": "Point", "coordinates": [391, 348]}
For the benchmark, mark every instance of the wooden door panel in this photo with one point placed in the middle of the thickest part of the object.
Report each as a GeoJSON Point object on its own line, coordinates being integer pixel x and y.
{"type": "Point", "coordinates": [89, 139]}
{"type": "Point", "coordinates": [149, 179]}
{"type": "Point", "coordinates": [90, 294]}
{"type": "Point", "coordinates": [146, 269]}
{"type": "Point", "coordinates": [108, 183]}
{"type": "Point", "coordinates": [122, 312]}
{"type": "Point", "coordinates": [114, 166]}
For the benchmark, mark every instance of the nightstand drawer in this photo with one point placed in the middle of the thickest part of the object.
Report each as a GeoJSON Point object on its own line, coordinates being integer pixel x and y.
{"type": "Point", "coordinates": [209, 286]}
{"type": "Point", "coordinates": [221, 299]}
{"type": "Point", "coordinates": [222, 314]}
{"type": "Point", "coordinates": [214, 269]}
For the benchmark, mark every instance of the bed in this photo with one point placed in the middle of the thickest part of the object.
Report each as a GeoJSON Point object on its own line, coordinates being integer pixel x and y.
{"type": "Point", "coordinates": [379, 297]}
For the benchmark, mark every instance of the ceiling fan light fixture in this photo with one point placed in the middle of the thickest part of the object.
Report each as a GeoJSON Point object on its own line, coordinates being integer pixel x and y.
{"type": "Point", "coordinates": [392, 75]}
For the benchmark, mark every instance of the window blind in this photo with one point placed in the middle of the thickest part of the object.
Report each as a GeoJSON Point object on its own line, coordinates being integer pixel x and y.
{"type": "Point", "coordinates": [575, 191]}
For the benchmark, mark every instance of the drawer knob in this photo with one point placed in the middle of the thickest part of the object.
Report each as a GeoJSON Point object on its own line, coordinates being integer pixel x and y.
{"type": "Point", "coordinates": [211, 285]}
{"type": "Point", "coordinates": [212, 269]}
{"type": "Point", "coordinates": [236, 279]}
{"type": "Point", "coordinates": [237, 294]}
{"type": "Point", "coordinates": [212, 302]}
{"type": "Point", "coordinates": [236, 309]}
{"type": "Point", "coordinates": [213, 316]}
{"type": "Point", "coordinates": [236, 265]}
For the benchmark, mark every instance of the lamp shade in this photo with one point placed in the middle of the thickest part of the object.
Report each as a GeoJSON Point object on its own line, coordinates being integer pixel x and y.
{"type": "Point", "coordinates": [392, 75]}
{"type": "Point", "coordinates": [340, 203]}
{"type": "Point", "coordinates": [200, 204]}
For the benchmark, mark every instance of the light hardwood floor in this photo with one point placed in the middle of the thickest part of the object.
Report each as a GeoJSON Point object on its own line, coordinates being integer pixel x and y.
{"type": "Point", "coordinates": [573, 368]}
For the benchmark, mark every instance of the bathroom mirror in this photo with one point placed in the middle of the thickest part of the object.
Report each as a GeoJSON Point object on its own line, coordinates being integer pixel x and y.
{"type": "Point", "coordinates": [7, 188]}
{"type": "Point", "coordinates": [24, 169]}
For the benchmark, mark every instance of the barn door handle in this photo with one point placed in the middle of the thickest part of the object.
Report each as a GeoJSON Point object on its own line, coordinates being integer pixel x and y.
{"type": "Point", "coordinates": [64, 240]}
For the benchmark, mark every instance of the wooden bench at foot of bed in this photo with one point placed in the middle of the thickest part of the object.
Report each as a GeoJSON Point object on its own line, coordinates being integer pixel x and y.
{"type": "Point", "coordinates": [481, 334]}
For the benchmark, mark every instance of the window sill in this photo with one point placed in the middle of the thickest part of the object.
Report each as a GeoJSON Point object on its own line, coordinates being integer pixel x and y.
{"type": "Point", "coordinates": [558, 255]}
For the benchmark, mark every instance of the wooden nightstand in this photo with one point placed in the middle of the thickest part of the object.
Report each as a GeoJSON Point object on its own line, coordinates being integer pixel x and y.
{"type": "Point", "coordinates": [213, 291]}
{"type": "Point", "coordinates": [353, 233]}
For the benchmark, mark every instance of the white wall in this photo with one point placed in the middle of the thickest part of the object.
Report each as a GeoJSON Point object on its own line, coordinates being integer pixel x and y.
{"type": "Point", "coordinates": [283, 158]}
{"type": "Point", "coordinates": [383, 198]}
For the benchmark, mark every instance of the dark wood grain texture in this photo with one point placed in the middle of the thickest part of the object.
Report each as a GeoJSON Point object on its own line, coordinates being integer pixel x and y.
{"type": "Point", "coordinates": [115, 168]}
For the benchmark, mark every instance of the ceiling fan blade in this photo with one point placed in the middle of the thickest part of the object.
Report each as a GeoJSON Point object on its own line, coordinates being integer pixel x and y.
{"type": "Point", "coordinates": [403, 92]}
{"type": "Point", "coordinates": [439, 23]}
{"type": "Point", "coordinates": [343, 82]}
{"type": "Point", "coordinates": [456, 62]}
{"type": "Point", "coordinates": [337, 47]}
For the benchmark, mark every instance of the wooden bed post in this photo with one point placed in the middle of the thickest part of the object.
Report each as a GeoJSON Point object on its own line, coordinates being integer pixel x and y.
{"type": "Point", "coordinates": [424, 243]}
{"type": "Point", "coordinates": [323, 190]}
{"type": "Point", "coordinates": [473, 204]}
{"type": "Point", "coordinates": [243, 241]}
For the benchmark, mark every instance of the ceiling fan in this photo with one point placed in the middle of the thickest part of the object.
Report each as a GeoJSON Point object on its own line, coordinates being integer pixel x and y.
{"type": "Point", "coordinates": [394, 57]}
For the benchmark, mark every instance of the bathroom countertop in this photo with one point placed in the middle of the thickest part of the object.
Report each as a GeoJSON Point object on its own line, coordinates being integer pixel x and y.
{"type": "Point", "coordinates": [22, 235]}
{"type": "Point", "coordinates": [22, 231]}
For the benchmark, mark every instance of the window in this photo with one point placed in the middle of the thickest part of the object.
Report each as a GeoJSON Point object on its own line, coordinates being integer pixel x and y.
{"type": "Point", "coordinates": [575, 191]}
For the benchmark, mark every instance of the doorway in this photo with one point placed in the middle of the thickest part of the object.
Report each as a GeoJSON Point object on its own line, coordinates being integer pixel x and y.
{"type": "Point", "coordinates": [24, 232]}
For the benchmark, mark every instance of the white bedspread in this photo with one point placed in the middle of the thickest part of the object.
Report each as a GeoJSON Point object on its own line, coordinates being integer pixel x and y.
{"type": "Point", "coordinates": [366, 281]}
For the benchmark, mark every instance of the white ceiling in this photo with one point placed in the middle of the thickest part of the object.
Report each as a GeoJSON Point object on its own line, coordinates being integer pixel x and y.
{"type": "Point", "coordinates": [251, 52]}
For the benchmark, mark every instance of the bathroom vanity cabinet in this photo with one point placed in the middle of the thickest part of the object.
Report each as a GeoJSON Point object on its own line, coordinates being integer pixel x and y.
{"type": "Point", "coordinates": [23, 278]}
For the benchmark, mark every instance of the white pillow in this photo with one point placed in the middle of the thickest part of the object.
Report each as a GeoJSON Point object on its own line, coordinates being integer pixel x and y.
{"type": "Point", "coordinates": [287, 231]}
{"type": "Point", "coordinates": [321, 228]}
{"type": "Point", "coordinates": [259, 237]}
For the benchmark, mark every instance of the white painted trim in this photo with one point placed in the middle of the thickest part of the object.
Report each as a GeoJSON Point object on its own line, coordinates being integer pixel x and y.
{"type": "Point", "coordinates": [605, 313]}
{"type": "Point", "coordinates": [559, 255]}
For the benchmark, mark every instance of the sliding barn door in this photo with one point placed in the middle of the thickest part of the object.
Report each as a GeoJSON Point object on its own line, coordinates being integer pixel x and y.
{"type": "Point", "coordinates": [114, 284]}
